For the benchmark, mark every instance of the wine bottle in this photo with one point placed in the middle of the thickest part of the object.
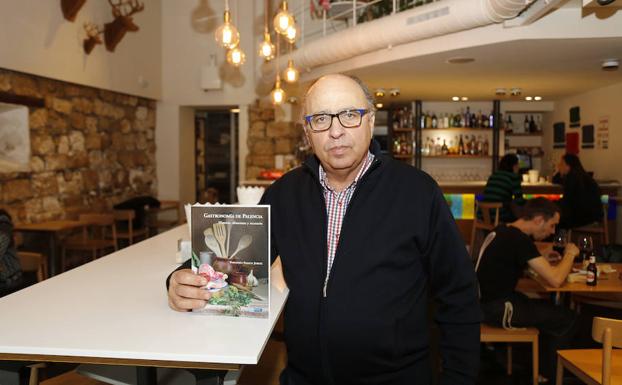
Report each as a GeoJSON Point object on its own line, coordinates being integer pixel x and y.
{"type": "Point", "coordinates": [444, 148]}
{"type": "Point", "coordinates": [461, 146]}
{"type": "Point", "coordinates": [509, 126]}
{"type": "Point", "coordinates": [532, 124]}
{"type": "Point", "coordinates": [434, 120]}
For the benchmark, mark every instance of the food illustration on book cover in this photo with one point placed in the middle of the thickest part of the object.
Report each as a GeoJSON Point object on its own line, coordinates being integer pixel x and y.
{"type": "Point", "coordinates": [231, 249]}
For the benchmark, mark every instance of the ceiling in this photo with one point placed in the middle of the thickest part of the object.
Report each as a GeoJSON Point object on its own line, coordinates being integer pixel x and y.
{"type": "Point", "coordinates": [551, 68]}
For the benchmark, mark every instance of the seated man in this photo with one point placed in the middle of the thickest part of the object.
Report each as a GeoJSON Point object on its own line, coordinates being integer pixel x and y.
{"type": "Point", "coordinates": [513, 250]}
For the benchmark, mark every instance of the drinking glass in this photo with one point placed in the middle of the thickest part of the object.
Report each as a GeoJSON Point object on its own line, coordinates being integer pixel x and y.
{"type": "Point", "coordinates": [559, 241]}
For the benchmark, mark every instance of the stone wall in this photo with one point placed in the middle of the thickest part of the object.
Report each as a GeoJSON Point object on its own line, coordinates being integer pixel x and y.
{"type": "Point", "coordinates": [90, 149]}
{"type": "Point", "coordinates": [268, 137]}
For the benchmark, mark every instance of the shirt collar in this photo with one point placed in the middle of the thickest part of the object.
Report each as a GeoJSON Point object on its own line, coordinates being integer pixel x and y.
{"type": "Point", "coordinates": [366, 163]}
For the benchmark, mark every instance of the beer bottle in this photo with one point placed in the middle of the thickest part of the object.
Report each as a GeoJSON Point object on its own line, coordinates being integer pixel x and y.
{"type": "Point", "coordinates": [592, 276]}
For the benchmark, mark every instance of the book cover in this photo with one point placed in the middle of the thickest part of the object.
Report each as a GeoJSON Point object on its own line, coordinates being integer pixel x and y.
{"type": "Point", "coordinates": [231, 249]}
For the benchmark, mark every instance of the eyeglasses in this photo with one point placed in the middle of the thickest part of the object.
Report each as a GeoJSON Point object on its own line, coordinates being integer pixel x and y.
{"type": "Point", "coordinates": [347, 118]}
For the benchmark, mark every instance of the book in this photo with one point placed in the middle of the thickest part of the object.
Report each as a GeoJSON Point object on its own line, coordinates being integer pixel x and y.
{"type": "Point", "coordinates": [231, 249]}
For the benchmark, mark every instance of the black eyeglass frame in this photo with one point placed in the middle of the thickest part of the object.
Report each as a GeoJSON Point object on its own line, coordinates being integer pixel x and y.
{"type": "Point", "coordinates": [361, 111]}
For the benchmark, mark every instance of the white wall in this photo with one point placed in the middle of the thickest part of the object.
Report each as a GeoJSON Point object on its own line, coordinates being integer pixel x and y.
{"type": "Point", "coordinates": [187, 44]}
{"type": "Point", "coordinates": [36, 39]}
{"type": "Point", "coordinates": [605, 163]}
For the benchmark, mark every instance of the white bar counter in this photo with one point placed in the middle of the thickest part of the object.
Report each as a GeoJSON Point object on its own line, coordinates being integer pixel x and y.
{"type": "Point", "coordinates": [114, 311]}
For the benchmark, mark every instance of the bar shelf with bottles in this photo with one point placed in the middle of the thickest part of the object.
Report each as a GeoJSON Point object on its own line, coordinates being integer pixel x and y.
{"type": "Point", "coordinates": [445, 132]}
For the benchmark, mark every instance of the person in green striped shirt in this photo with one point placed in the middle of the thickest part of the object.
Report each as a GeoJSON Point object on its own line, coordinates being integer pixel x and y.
{"type": "Point", "coordinates": [504, 186]}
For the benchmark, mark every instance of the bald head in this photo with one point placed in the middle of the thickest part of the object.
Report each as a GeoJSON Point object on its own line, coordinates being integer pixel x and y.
{"type": "Point", "coordinates": [333, 81]}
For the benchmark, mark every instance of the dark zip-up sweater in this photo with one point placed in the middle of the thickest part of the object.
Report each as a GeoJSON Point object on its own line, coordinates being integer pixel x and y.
{"type": "Point", "coordinates": [398, 239]}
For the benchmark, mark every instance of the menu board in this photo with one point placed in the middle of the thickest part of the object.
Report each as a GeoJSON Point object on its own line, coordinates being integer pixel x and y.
{"type": "Point", "coordinates": [231, 249]}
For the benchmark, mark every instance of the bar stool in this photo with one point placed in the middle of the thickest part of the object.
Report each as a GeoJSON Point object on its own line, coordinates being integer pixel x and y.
{"type": "Point", "coordinates": [486, 223]}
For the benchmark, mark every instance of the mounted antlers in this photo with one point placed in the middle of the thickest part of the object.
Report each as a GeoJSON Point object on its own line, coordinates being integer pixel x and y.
{"type": "Point", "coordinates": [93, 38]}
{"type": "Point", "coordinates": [122, 10]}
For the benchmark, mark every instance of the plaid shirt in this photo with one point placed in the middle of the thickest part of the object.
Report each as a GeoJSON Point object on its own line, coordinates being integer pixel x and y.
{"type": "Point", "coordinates": [336, 206]}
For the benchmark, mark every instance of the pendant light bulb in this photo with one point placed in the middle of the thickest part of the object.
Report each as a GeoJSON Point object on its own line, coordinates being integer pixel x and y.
{"type": "Point", "coordinates": [291, 73]}
{"type": "Point", "coordinates": [283, 19]}
{"type": "Point", "coordinates": [236, 57]}
{"type": "Point", "coordinates": [266, 48]}
{"type": "Point", "coordinates": [227, 36]}
{"type": "Point", "coordinates": [291, 33]}
{"type": "Point", "coordinates": [278, 95]}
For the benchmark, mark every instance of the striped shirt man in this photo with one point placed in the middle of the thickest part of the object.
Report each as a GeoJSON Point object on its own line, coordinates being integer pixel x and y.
{"type": "Point", "coordinates": [336, 206]}
{"type": "Point", "coordinates": [504, 186]}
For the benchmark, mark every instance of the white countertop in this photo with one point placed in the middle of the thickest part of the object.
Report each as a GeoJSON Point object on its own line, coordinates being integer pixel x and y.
{"type": "Point", "coordinates": [116, 307]}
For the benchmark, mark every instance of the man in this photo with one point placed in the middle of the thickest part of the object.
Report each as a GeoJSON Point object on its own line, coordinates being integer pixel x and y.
{"type": "Point", "coordinates": [503, 262]}
{"type": "Point", "coordinates": [362, 239]}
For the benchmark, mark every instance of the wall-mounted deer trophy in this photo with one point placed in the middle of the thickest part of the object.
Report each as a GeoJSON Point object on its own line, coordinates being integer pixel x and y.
{"type": "Point", "coordinates": [122, 10]}
{"type": "Point", "coordinates": [71, 8]}
{"type": "Point", "coordinates": [93, 37]}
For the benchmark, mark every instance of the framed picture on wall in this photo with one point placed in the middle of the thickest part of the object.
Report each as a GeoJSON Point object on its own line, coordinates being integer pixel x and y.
{"type": "Point", "coordinates": [559, 135]}
{"type": "Point", "coordinates": [575, 116]}
{"type": "Point", "coordinates": [587, 136]}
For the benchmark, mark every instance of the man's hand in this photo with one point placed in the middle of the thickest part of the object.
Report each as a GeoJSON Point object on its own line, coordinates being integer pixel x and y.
{"type": "Point", "coordinates": [185, 291]}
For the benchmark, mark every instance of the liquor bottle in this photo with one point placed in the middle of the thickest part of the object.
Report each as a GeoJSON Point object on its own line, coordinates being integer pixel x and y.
{"type": "Point", "coordinates": [432, 147]}
{"type": "Point", "coordinates": [438, 147]}
{"type": "Point", "coordinates": [475, 121]}
{"type": "Point", "coordinates": [532, 124]}
{"type": "Point", "coordinates": [538, 123]}
{"type": "Point", "coordinates": [434, 120]}
{"type": "Point", "coordinates": [526, 124]}
{"type": "Point", "coordinates": [480, 146]}
{"type": "Point", "coordinates": [446, 121]}
{"type": "Point", "coordinates": [461, 146]}
{"type": "Point", "coordinates": [491, 120]}
{"type": "Point", "coordinates": [444, 148]}
{"type": "Point", "coordinates": [425, 150]}
{"type": "Point", "coordinates": [462, 119]}
{"type": "Point", "coordinates": [467, 117]}
{"type": "Point", "coordinates": [509, 125]}
{"type": "Point", "coordinates": [485, 147]}
{"type": "Point", "coordinates": [423, 121]}
{"type": "Point", "coordinates": [592, 272]}
{"type": "Point", "coordinates": [473, 146]}
{"type": "Point", "coordinates": [428, 120]}
{"type": "Point", "coordinates": [480, 120]}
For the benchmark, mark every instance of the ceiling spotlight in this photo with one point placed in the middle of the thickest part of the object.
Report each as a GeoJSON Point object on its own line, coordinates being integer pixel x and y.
{"type": "Point", "coordinates": [455, 98]}
{"type": "Point", "coordinates": [292, 100]}
{"type": "Point", "coordinates": [464, 98]}
{"type": "Point", "coordinates": [515, 91]}
{"type": "Point", "coordinates": [500, 91]}
{"type": "Point", "coordinates": [394, 92]}
{"type": "Point", "coordinates": [380, 92]}
{"type": "Point", "coordinates": [460, 60]}
{"type": "Point", "coordinates": [610, 64]}
{"type": "Point", "coordinates": [379, 105]}
{"type": "Point", "coordinates": [528, 98]}
{"type": "Point", "coordinates": [538, 98]}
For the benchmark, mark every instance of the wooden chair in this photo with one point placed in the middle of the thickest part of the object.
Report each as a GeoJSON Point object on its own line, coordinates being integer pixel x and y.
{"type": "Point", "coordinates": [125, 226]}
{"type": "Point", "coordinates": [34, 262]}
{"type": "Point", "coordinates": [598, 228]}
{"type": "Point", "coordinates": [156, 223]}
{"type": "Point", "coordinates": [30, 261]}
{"type": "Point", "coordinates": [596, 366]}
{"type": "Point", "coordinates": [98, 235]}
{"type": "Point", "coordinates": [486, 223]}
{"type": "Point", "coordinates": [490, 334]}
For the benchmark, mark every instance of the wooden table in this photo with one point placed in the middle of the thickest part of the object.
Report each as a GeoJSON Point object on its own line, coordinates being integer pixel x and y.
{"type": "Point", "coordinates": [51, 230]}
{"type": "Point", "coordinates": [607, 283]}
{"type": "Point", "coordinates": [114, 311]}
